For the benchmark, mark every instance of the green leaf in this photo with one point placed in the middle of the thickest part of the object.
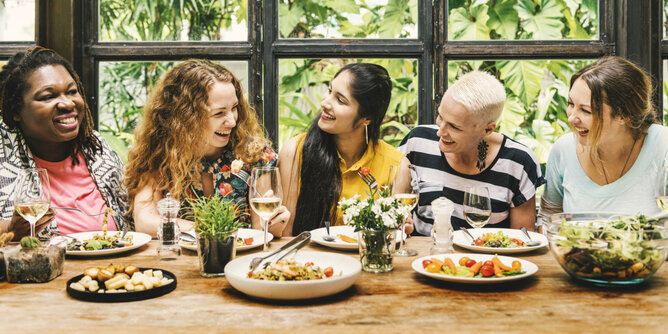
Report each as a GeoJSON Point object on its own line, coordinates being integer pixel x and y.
{"type": "Point", "coordinates": [343, 6]}
{"type": "Point", "coordinates": [289, 18]}
{"type": "Point", "coordinates": [511, 118]}
{"type": "Point", "coordinates": [542, 21]}
{"type": "Point", "coordinates": [393, 20]}
{"type": "Point", "coordinates": [503, 19]}
{"type": "Point", "coordinates": [544, 100]}
{"type": "Point", "coordinates": [465, 26]}
{"type": "Point", "coordinates": [117, 144]}
{"type": "Point", "coordinates": [522, 77]}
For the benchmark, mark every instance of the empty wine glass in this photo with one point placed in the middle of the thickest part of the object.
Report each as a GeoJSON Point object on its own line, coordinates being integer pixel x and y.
{"type": "Point", "coordinates": [265, 195]}
{"type": "Point", "coordinates": [477, 206]}
{"type": "Point", "coordinates": [409, 198]}
{"type": "Point", "coordinates": [32, 195]}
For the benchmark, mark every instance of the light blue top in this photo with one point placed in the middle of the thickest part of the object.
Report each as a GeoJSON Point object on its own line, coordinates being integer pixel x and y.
{"type": "Point", "coordinates": [635, 192]}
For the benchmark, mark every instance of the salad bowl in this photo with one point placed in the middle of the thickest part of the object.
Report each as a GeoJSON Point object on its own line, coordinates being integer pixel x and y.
{"type": "Point", "coordinates": [606, 248]}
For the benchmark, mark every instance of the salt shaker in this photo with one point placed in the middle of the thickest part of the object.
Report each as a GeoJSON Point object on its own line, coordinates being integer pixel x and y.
{"type": "Point", "coordinates": [168, 231]}
{"type": "Point", "coordinates": [441, 232]}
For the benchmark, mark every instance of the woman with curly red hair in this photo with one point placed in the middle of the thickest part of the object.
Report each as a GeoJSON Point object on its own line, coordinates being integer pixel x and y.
{"type": "Point", "coordinates": [196, 128]}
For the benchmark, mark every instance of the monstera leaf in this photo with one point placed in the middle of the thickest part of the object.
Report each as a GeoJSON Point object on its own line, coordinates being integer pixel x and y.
{"type": "Point", "coordinates": [511, 118]}
{"type": "Point", "coordinates": [393, 20]}
{"type": "Point", "coordinates": [541, 18]}
{"type": "Point", "coordinates": [503, 19]}
{"type": "Point", "coordinates": [472, 26]}
{"type": "Point", "coordinates": [522, 77]}
{"type": "Point", "coordinates": [343, 6]}
{"type": "Point", "coordinates": [289, 18]}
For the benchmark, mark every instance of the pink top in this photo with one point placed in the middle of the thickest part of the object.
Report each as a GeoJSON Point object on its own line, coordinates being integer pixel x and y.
{"type": "Point", "coordinates": [73, 186]}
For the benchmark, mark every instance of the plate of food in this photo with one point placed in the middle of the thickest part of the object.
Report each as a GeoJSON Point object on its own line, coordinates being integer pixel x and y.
{"type": "Point", "coordinates": [345, 237]}
{"type": "Point", "coordinates": [99, 243]}
{"type": "Point", "coordinates": [473, 268]}
{"type": "Point", "coordinates": [304, 275]}
{"type": "Point", "coordinates": [120, 283]}
{"type": "Point", "coordinates": [246, 239]}
{"type": "Point", "coordinates": [498, 240]}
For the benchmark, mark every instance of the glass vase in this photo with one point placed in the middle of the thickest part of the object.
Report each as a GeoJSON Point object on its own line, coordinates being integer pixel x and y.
{"type": "Point", "coordinates": [376, 250]}
{"type": "Point", "coordinates": [215, 253]}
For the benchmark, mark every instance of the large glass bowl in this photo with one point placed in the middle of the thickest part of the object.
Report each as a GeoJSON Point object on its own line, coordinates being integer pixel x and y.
{"type": "Point", "coordinates": [605, 248]}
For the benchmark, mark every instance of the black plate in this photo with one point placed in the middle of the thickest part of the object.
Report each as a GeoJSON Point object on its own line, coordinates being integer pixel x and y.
{"type": "Point", "coordinates": [122, 296]}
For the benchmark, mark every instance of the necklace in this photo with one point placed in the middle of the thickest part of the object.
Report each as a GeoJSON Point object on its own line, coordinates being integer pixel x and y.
{"type": "Point", "coordinates": [625, 162]}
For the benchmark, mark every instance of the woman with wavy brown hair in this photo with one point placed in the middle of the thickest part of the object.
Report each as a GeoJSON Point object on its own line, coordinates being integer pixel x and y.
{"type": "Point", "coordinates": [196, 123]}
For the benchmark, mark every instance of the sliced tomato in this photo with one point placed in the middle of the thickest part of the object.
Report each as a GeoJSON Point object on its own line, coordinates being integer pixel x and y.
{"type": "Point", "coordinates": [517, 241]}
{"type": "Point", "coordinates": [425, 263]}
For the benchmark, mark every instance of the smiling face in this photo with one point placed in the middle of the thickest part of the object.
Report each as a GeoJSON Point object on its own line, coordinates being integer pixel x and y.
{"type": "Point", "coordinates": [581, 118]}
{"type": "Point", "coordinates": [458, 131]}
{"type": "Point", "coordinates": [340, 110]}
{"type": "Point", "coordinates": [223, 115]}
{"type": "Point", "coordinates": [52, 107]}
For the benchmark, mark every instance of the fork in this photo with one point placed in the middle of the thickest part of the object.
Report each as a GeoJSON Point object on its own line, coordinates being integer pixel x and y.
{"type": "Point", "coordinates": [75, 209]}
{"type": "Point", "coordinates": [369, 180]}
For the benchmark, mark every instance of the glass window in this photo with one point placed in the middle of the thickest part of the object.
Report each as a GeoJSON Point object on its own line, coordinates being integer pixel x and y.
{"type": "Point", "coordinates": [522, 20]}
{"type": "Point", "coordinates": [17, 20]}
{"type": "Point", "coordinates": [536, 98]}
{"type": "Point", "coordinates": [303, 82]}
{"type": "Point", "coordinates": [665, 92]}
{"type": "Point", "coordinates": [124, 88]}
{"type": "Point", "coordinates": [167, 20]}
{"type": "Point", "coordinates": [347, 19]}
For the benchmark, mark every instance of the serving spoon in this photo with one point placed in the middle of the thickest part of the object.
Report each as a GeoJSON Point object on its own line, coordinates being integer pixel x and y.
{"type": "Point", "coordinates": [530, 243]}
{"type": "Point", "coordinates": [328, 237]}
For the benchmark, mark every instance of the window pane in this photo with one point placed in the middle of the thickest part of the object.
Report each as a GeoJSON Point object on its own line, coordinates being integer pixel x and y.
{"type": "Point", "coordinates": [303, 82]}
{"type": "Point", "coordinates": [522, 20]}
{"type": "Point", "coordinates": [168, 20]}
{"type": "Point", "coordinates": [124, 87]}
{"type": "Point", "coordinates": [665, 92]}
{"type": "Point", "coordinates": [536, 98]}
{"type": "Point", "coordinates": [17, 20]}
{"type": "Point", "coordinates": [347, 19]}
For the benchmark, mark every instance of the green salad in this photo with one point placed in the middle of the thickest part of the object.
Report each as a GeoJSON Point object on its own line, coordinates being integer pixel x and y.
{"type": "Point", "coordinates": [623, 248]}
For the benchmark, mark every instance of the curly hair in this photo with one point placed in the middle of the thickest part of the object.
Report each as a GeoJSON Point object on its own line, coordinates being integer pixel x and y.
{"type": "Point", "coordinates": [169, 139]}
{"type": "Point", "coordinates": [14, 85]}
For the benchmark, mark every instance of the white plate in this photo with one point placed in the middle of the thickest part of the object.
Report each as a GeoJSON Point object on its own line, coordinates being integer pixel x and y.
{"type": "Point", "coordinates": [236, 273]}
{"type": "Point", "coordinates": [529, 267]}
{"type": "Point", "coordinates": [460, 239]}
{"type": "Point", "coordinates": [257, 236]}
{"type": "Point", "coordinates": [138, 239]}
{"type": "Point", "coordinates": [317, 234]}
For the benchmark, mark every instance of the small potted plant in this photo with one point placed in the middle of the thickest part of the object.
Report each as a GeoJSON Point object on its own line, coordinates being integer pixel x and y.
{"type": "Point", "coordinates": [216, 223]}
{"type": "Point", "coordinates": [376, 221]}
{"type": "Point", "coordinates": [32, 262]}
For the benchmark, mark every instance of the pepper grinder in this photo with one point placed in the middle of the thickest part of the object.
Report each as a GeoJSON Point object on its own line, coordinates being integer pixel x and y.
{"type": "Point", "coordinates": [441, 233]}
{"type": "Point", "coordinates": [168, 231]}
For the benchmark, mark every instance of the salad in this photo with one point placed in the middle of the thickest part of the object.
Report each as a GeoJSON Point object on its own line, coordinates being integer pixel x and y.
{"type": "Point", "coordinates": [472, 268]}
{"type": "Point", "coordinates": [623, 248]}
{"type": "Point", "coordinates": [291, 270]}
{"type": "Point", "coordinates": [498, 240]}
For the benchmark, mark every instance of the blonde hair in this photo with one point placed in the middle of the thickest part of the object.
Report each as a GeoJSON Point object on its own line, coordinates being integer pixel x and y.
{"type": "Point", "coordinates": [481, 93]}
{"type": "Point", "coordinates": [169, 139]}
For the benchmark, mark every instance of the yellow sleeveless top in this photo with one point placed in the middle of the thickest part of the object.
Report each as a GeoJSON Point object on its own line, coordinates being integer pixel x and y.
{"type": "Point", "coordinates": [377, 157]}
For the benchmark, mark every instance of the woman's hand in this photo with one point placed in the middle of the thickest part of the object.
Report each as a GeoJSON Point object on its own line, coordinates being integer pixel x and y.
{"type": "Point", "coordinates": [21, 227]}
{"type": "Point", "coordinates": [278, 222]}
{"type": "Point", "coordinates": [408, 225]}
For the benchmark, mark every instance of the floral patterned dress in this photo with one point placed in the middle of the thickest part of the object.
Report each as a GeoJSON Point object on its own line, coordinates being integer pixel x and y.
{"type": "Point", "coordinates": [234, 187]}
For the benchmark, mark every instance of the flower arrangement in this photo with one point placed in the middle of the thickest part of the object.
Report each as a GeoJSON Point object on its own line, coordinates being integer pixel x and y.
{"type": "Point", "coordinates": [381, 214]}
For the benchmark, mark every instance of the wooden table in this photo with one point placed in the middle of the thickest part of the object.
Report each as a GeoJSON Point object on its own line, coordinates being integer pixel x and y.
{"type": "Point", "coordinates": [401, 301]}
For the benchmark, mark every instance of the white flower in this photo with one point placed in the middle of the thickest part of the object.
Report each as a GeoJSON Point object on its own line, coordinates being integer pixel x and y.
{"type": "Point", "coordinates": [375, 208]}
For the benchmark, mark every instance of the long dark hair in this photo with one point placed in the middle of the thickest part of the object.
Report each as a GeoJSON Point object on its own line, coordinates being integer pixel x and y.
{"type": "Point", "coordinates": [13, 86]}
{"type": "Point", "coordinates": [320, 175]}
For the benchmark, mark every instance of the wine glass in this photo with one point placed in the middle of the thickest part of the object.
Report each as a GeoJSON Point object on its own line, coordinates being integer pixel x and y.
{"type": "Point", "coordinates": [409, 198]}
{"type": "Point", "coordinates": [265, 195]}
{"type": "Point", "coordinates": [477, 206]}
{"type": "Point", "coordinates": [662, 198]}
{"type": "Point", "coordinates": [32, 195]}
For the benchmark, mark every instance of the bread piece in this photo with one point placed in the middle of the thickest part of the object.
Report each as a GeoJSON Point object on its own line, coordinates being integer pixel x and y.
{"type": "Point", "coordinates": [92, 272]}
{"type": "Point", "coordinates": [130, 270]}
{"type": "Point", "coordinates": [77, 286]}
{"type": "Point", "coordinates": [104, 275]}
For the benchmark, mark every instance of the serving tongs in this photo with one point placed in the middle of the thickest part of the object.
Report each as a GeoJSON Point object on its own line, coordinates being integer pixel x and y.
{"type": "Point", "coordinates": [291, 246]}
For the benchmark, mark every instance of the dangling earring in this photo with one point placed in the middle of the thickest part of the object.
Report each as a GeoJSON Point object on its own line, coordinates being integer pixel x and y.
{"type": "Point", "coordinates": [366, 133]}
{"type": "Point", "coordinates": [482, 155]}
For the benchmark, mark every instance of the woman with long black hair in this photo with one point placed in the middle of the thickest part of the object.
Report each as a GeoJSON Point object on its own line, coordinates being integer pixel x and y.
{"type": "Point", "coordinates": [320, 167]}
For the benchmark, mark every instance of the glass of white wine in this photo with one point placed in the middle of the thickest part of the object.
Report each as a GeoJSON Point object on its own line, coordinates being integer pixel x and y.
{"type": "Point", "coordinates": [32, 195]}
{"type": "Point", "coordinates": [477, 206]}
{"type": "Point", "coordinates": [409, 198]}
{"type": "Point", "coordinates": [662, 198]}
{"type": "Point", "coordinates": [265, 195]}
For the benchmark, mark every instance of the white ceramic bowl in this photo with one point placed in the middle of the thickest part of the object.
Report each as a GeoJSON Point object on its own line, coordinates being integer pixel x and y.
{"type": "Point", "coordinates": [236, 273]}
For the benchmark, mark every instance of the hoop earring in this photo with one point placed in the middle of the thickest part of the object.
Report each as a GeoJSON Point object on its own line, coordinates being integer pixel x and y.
{"type": "Point", "coordinates": [482, 155]}
{"type": "Point", "coordinates": [366, 133]}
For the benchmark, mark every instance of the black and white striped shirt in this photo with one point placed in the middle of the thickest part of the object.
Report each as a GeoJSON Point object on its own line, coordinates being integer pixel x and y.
{"type": "Point", "coordinates": [512, 178]}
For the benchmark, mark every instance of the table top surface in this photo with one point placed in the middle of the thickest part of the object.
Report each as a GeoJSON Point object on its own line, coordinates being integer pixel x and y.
{"type": "Point", "coordinates": [393, 302]}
